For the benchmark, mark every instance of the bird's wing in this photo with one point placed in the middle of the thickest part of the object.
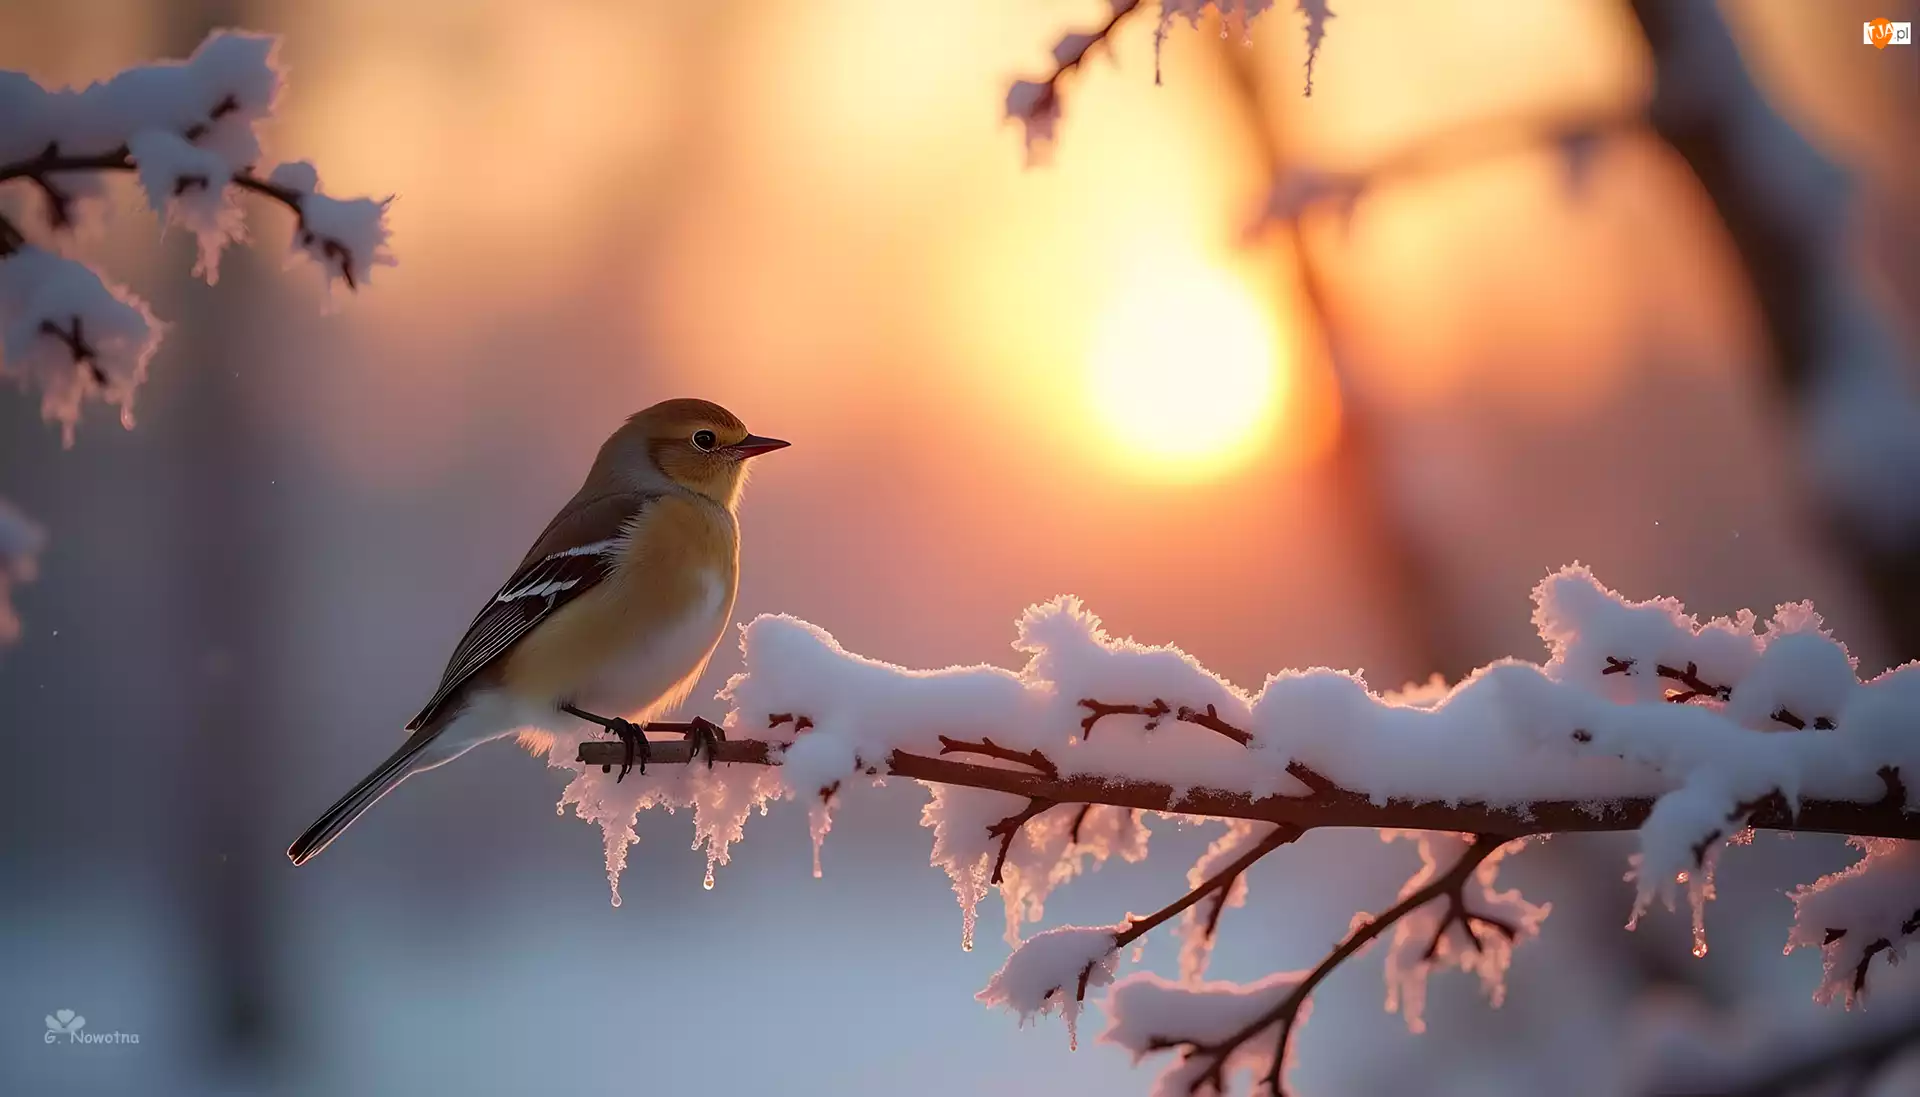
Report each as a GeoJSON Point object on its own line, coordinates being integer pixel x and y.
{"type": "Point", "coordinates": [577, 550]}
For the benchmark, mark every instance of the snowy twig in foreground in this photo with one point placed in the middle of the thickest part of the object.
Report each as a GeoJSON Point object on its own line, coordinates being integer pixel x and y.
{"type": "Point", "coordinates": [1037, 977]}
{"type": "Point", "coordinates": [1036, 103]}
{"type": "Point", "coordinates": [1204, 1061]}
{"type": "Point", "coordinates": [190, 131]}
{"type": "Point", "coordinates": [342, 260]}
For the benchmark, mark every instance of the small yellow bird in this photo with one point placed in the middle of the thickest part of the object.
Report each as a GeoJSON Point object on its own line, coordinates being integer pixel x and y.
{"type": "Point", "coordinates": [611, 616]}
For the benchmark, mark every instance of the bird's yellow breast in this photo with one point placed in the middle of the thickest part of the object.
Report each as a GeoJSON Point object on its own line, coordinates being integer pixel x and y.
{"type": "Point", "coordinates": [636, 642]}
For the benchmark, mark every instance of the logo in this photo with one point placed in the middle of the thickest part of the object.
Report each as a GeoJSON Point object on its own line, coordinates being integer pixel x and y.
{"type": "Point", "coordinates": [1881, 33]}
{"type": "Point", "coordinates": [67, 1023]}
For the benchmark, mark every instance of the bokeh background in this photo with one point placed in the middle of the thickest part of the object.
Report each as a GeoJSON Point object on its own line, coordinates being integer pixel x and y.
{"type": "Point", "coordinates": [815, 214]}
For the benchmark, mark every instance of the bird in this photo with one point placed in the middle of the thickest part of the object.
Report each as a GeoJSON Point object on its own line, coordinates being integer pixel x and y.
{"type": "Point", "coordinates": [609, 618]}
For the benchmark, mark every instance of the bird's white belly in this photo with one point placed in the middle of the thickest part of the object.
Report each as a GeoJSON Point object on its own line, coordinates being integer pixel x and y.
{"type": "Point", "coordinates": [647, 676]}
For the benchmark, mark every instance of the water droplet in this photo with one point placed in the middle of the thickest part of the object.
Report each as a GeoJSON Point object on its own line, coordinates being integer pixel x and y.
{"type": "Point", "coordinates": [966, 946]}
{"type": "Point", "coordinates": [1680, 879]}
{"type": "Point", "coordinates": [708, 882]}
{"type": "Point", "coordinates": [1699, 949]}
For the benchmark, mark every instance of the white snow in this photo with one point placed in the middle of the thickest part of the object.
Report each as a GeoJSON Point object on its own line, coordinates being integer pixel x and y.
{"type": "Point", "coordinates": [1408, 964]}
{"type": "Point", "coordinates": [346, 236]}
{"type": "Point", "coordinates": [1146, 1012]}
{"type": "Point", "coordinates": [1036, 103]}
{"type": "Point", "coordinates": [1872, 906]}
{"type": "Point", "coordinates": [68, 333]}
{"type": "Point", "coordinates": [187, 185]}
{"type": "Point", "coordinates": [1596, 720]}
{"type": "Point", "coordinates": [1044, 974]}
{"type": "Point", "coordinates": [191, 131]}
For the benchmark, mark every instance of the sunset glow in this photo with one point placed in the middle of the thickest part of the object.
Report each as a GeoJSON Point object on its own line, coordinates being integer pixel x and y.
{"type": "Point", "coordinates": [1182, 370]}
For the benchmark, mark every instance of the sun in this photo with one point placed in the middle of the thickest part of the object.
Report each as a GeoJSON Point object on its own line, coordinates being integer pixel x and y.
{"type": "Point", "coordinates": [1182, 370]}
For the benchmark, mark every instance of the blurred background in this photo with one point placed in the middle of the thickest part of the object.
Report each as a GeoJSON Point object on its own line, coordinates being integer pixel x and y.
{"type": "Point", "coordinates": [1357, 441]}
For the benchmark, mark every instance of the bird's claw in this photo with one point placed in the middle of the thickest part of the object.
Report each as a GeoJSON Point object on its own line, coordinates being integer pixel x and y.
{"type": "Point", "coordinates": [635, 738]}
{"type": "Point", "coordinates": [704, 737]}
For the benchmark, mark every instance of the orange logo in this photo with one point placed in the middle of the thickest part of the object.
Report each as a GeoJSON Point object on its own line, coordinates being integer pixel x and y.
{"type": "Point", "coordinates": [1881, 33]}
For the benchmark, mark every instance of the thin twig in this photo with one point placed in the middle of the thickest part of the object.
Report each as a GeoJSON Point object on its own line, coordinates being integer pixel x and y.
{"type": "Point", "coordinates": [1007, 829]}
{"type": "Point", "coordinates": [1210, 719]}
{"type": "Point", "coordinates": [1286, 1014]}
{"type": "Point", "coordinates": [1220, 883]}
{"type": "Point", "coordinates": [988, 748]}
{"type": "Point", "coordinates": [1048, 97]}
{"type": "Point", "coordinates": [50, 162]}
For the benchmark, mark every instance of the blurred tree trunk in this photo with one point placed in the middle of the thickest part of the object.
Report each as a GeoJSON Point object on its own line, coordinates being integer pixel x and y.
{"type": "Point", "coordinates": [1772, 194]}
{"type": "Point", "coordinates": [225, 556]}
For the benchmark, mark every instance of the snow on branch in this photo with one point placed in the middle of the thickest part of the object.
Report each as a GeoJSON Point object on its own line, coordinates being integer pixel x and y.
{"type": "Point", "coordinates": [1642, 717]}
{"type": "Point", "coordinates": [1872, 907]}
{"type": "Point", "coordinates": [1036, 103]}
{"type": "Point", "coordinates": [189, 131]}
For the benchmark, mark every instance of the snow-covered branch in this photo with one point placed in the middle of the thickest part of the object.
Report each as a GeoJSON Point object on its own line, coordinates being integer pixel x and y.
{"type": "Point", "coordinates": [190, 131]}
{"type": "Point", "coordinates": [1889, 816]}
{"type": "Point", "coordinates": [1642, 718]}
{"type": "Point", "coordinates": [1036, 103]}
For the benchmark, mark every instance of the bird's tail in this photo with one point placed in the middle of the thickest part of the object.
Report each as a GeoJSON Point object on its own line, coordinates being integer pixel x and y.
{"type": "Point", "coordinates": [404, 763]}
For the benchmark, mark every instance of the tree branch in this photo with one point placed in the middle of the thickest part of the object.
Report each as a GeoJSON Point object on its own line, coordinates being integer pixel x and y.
{"type": "Point", "coordinates": [1220, 883]}
{"type": "Point", "coordinates": [1040, 99]}
{"type": "Point", "coordinates": [1335, 807]}
{"type": "Point", "coordinates": [1451, 885]}
{"type": "Point", "coordinates": [40, 169]}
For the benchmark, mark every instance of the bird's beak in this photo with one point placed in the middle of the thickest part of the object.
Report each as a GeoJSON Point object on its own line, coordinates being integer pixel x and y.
{"type": "Point", "coordinates": [753, 445]}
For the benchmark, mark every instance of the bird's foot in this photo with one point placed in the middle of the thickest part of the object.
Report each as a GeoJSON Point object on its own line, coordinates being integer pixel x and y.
{"type": "Point", "coordinates": [704, 737]}
{"type": "Point", "coordinates": [635, 738]}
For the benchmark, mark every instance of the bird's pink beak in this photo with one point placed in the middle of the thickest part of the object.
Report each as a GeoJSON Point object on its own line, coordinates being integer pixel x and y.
{"type": "Point", "coordinates": [753, 445]}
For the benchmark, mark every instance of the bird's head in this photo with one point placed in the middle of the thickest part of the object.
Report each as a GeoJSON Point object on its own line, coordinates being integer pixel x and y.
{"type": "Point", "coordinates": [695, 444]}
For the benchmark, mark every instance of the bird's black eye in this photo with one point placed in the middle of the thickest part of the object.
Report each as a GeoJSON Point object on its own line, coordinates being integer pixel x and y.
{"type": "Point", "coordinates": [704, 439]}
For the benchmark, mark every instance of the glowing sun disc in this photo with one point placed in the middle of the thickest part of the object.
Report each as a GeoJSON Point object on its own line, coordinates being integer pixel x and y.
{"type": "Point", "coordinates": [1182, 370]}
